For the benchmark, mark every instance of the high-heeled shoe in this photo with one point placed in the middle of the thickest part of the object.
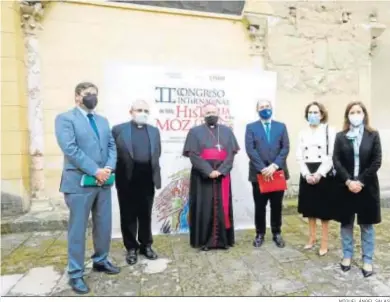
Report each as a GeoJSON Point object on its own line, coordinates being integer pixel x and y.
{"type": "Point", "coordinates": [309, 246]}
{"type": "Point", "coordinates": [345, 265]}
{"type": "Point", "coordinates": [367, 270]}
{"type": "Point", "coordinates": [322, 253]}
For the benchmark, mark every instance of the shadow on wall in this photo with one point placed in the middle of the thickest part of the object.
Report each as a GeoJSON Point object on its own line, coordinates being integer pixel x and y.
{"type": "Point", "coordinates": [11, 205]}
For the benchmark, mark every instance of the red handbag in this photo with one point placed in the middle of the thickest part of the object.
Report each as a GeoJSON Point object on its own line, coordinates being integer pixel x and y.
{"type": "Point", "coordinates": [278, 183]}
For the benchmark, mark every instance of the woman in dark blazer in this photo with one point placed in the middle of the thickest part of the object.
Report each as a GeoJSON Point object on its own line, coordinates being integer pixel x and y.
{"type": "Point", "coordinates": [357, 157]}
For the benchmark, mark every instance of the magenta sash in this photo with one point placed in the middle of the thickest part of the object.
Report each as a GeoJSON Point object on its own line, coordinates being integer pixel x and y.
{"type": "Point", "coordinates": [215, 154]}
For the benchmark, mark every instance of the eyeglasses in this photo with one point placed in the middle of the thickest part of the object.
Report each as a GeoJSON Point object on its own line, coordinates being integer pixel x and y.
{"type": "Point", "coordinates": [142, 110]}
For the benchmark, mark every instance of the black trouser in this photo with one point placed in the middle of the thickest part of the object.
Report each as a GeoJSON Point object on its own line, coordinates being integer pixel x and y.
{"type": "Point", "coordinates": [136, 203]}
{"type": "Point", "coordinates": [261, 200]}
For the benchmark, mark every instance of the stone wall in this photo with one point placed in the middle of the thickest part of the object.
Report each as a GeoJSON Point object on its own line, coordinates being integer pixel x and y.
{"type": "Point", "coordinates": [14, 133]}
{"type": "Point", "coordinates": [94, 35]}
{"type": "Point", "coordinates": [317, 57]}
{"type": "Point", "coordinates": [380, 91]}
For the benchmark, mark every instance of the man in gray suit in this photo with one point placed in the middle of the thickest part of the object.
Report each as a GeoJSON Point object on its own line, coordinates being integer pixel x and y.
{"type": "Point", "coordinates": [138, 174]}
{"type": "Point", "coordinates": [89, 148]}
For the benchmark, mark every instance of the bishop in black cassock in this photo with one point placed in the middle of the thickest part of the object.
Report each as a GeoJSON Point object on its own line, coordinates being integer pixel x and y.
{"type": "Point", "coordinates": [211, 148]}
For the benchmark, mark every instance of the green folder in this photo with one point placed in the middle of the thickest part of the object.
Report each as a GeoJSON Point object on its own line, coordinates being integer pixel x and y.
{"type": "Point", "coordinates": [90, 181]}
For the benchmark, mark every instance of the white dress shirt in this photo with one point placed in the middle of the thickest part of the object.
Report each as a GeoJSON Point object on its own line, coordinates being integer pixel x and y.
{"type": "Point", "coordinates": [312, 149]}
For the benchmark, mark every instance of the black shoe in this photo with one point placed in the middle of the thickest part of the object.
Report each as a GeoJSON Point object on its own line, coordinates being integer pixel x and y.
{"type": "Point", "coordinates": [131, 257]}
{"type": "Point", "coordinates": [279, 241]}
{"type": "Point", "coordinates": [79, 285]}
{"type": "Point", "coordinates": [259, 240]}
{"type": "Point", "coordinates": [367, 274]}
{"type": "Point", "coordinates": [106, 267]}
{"type": "Point", "coordinates": [345, 268]}
{"type": "Point", "coordinates": [148, 253]}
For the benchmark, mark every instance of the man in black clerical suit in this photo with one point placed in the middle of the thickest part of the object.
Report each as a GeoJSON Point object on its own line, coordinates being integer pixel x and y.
{"type": "Point", "coordinates": [137, 177]}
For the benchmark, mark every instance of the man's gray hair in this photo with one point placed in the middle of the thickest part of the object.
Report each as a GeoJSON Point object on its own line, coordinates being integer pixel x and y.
{"type": "Point", "coordinates": [139, 101]}
{"type": "Point", "coordinates": [259, 101]}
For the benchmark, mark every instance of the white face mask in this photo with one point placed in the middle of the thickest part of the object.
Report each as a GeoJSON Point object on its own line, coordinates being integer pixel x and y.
{"type": "Point", "coordinates": [356, 119]}
{"type": "Point", "coordinates": [141, 118]}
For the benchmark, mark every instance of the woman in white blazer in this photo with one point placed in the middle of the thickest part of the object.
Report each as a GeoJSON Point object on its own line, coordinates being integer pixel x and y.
{"type": "Point", "coordinates": [314, 155]}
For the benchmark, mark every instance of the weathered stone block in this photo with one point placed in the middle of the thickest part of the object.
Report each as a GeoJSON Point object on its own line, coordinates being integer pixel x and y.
{"type": "Point", "coordinates": [288, 50]}
{"type": "Point", "coordinates": [316, 30]}
{"type": "Point", "coordinates": [11, 205]}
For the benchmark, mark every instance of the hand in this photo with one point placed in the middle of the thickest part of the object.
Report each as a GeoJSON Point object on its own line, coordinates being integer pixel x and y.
{"type": "Point", "coordinates": [317, 177]}
{"type": "Point", "coordinates": [99, 183]}
{"type": "Point", "coordinates": [102, 175]}
{"type": "Point", "coordinates": [354, 186]}
{"type": "Point", "coordinates": [214, 174]}
{"type": "Point", "coordinates": [310, 179]}
{"type": "Point", "coordinates": [268, 172]}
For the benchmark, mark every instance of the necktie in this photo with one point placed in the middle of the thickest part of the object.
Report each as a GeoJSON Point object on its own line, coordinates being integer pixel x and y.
{"type": "Point", "coordinates": [93, 124]}
{"type": "Point", "coordinates": [267, 131]}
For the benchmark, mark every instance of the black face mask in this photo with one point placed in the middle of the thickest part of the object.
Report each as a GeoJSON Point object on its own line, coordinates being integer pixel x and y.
{"type": "Point", "coordinates": [90, 101]}
{"type": "Point", "coordinates": [211, 120]}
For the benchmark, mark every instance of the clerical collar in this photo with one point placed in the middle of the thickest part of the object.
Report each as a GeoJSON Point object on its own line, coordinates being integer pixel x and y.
{"type": "Point", "coordinates": [138, 126]}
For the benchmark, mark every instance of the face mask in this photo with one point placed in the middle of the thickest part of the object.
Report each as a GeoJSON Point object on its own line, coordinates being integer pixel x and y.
{"type": "Point", "coordinates": [356, 119]}
{"type": "Point", "coordinates": [211, 120]}
{"type": "Point", "coordinates": [265, 114]}
{"type": "Point", "coordinates": [90, 101]}
{"type": "Point", "coordinates": [314, 119]}
{"type": "Point", "coordinates": [141, 118]}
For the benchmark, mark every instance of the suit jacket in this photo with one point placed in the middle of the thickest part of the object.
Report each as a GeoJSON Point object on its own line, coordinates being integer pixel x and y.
{"type": "Point", "coordinates": [84, 152]}
{"type": "Point", "coordinates": [262, 153]}
{"type": "Point", "coordinates": [125, 163]}
{"type": "Point", "coordinates": [366, 203]}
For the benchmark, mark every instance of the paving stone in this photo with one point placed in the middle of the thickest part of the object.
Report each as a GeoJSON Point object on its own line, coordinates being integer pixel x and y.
{"type": "Point", "coordinates": [285, 286]}
{"type": "Point", "coordinates": [9, 281]}
{"type": "Point", "coordinates": [286, 254]}
{"type": "Point", "coordinates": [29, 254]}
{"type": "Point", "coordinates": [326, 289]}
{"type": "Point", "coordinates": [242, 283]}
{"type": "Point", "coordinates": [38, 281]}
{"type": "Point", "coordinates": [167, 284]}
{"type": "Point", "coordinates": [183, 271]}
{"type": "Point", "coordinates": [127, 283]}
{"type": "Point", "coordinates": [223, 262]}
{"type": "Point", "coordinates": [265, 268]}
{"type": "Point", "coordinates": [10, 243]}
{"type": "Point", "coordinates": [155, 266]}
{"type": "Point", "coordinates": [206, 283]}
{"type": "Point", "coordinates": [256, 289]}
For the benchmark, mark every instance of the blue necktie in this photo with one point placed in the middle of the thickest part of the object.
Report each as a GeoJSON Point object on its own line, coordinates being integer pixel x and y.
{"type": "Point", "coordinates": [93, 124]}
{"type": "Point", "coordinates": [267, 131]}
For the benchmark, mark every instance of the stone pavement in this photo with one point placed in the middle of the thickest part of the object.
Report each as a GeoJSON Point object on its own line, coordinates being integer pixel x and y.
{"type": "Point", "coordinates": [34, 264]}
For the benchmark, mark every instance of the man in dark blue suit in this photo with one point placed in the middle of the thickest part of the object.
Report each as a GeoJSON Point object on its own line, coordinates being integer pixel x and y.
{"type": "Point", "coordinates": [267, 145]}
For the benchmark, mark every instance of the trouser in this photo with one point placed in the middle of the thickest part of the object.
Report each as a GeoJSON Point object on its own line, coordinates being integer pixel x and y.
{"type": "Point", "coordinates": [261, 200]}
{"type": "Point", "coordinates": [97, 200]}
{"type": "Point", "coordinates": [136, 204]}
{"type": "Point", "coordinates": [367, 233]}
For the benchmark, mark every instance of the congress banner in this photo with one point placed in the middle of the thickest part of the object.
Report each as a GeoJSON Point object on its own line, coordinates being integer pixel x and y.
{"type": "Point", "coordinates": [176, 97]}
